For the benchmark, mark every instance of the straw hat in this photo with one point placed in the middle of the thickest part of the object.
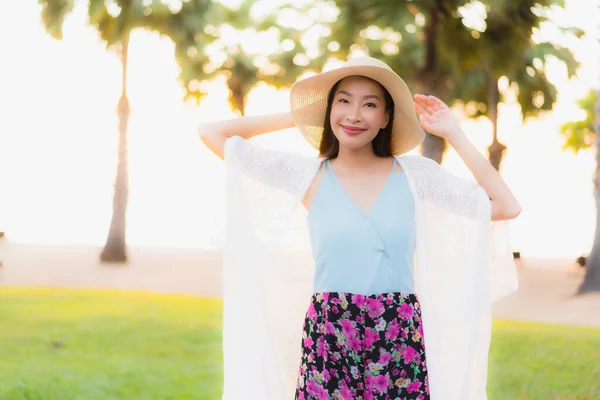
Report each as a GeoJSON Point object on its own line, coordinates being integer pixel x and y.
{"type": "Point", "coordinates": [308, 102]}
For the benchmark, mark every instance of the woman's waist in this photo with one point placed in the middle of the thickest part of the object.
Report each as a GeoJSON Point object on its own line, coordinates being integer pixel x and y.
{"type": "Point", "coordinates": [405, 303]}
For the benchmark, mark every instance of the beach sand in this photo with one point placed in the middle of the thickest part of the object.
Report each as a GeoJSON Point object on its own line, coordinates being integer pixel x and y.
{"type": "Point", "coordinates": [547, 290]}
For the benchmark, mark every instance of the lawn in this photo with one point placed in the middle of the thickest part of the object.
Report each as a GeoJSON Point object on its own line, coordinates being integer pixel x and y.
{"type": "Point", "coordinates": [58, 344]}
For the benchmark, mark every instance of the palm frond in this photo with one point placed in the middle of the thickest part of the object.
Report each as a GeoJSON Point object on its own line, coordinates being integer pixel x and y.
{"type": "Point", "coordinates": [53, 15]}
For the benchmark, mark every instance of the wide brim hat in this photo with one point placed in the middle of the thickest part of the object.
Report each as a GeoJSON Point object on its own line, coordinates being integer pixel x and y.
{"type": "Point", "coordinates": [308, 102]}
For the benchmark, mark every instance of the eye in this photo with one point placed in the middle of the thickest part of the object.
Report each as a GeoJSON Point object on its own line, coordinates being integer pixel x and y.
{"type": "Point", "coordinates": [343, 101]}
{"type": "Point", "coordinates": [371, 105]}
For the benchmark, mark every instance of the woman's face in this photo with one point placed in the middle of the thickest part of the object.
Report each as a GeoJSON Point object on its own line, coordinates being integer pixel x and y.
{"type": "Point", "coordinates": [358, 112]}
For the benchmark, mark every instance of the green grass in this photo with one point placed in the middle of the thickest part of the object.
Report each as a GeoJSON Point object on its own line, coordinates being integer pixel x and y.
{"type": "Point", "coordinates": [58, 344]}
{"type": "Point", "coordinates": [539, 361]}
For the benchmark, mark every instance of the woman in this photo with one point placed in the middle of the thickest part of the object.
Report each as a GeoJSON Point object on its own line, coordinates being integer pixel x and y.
{"type": "Point", "coordinates": [369, 209]}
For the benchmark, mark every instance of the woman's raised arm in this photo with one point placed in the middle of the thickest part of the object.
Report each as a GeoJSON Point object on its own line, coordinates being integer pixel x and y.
{"type": "Point", "coordinates": [214, 134]}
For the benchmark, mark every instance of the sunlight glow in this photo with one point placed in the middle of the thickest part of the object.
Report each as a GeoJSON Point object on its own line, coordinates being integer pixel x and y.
{"type": "Point", "coordinates": [58, 143]}
{"type": "Point", "coordinates": [474, 15]}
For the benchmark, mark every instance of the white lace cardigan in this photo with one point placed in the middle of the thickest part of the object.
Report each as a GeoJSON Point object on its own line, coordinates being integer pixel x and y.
{"type": "Point", "coordinates": [463, 264]}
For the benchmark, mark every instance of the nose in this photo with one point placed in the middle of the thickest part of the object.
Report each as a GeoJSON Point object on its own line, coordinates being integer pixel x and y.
{"type": "Point", "coordinates": [353, 115]}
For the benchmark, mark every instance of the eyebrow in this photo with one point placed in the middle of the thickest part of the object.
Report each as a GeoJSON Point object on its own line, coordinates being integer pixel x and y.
{"type": "Point", "coordinates": [369, 96]}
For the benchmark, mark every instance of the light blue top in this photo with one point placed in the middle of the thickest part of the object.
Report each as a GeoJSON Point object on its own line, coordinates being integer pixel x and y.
{"type": "Point", "coordinates": [362, 253]}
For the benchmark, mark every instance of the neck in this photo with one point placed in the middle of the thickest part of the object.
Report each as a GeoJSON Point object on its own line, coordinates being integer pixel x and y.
{"type": "Point", "coordinates": [357, 158]}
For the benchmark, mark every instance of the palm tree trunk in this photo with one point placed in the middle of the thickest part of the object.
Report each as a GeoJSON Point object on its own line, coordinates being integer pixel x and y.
{"type": "Point", "coordinates": [496, 149]}
{"type": "Point", "coordinates": [433, 147]}
{"type": "Point", "coordinates": [591, 281]}
{"type": "Point", "coordinates": [432, 82]}
{"type": "Point", "coordinates": [115, 249]}
{"type": "Point", "coordinates": [238, 99]}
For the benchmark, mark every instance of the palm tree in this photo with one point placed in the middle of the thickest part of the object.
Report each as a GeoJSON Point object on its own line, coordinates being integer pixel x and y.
{"type": "Point", "coordinates": [508, 31]}
{"type": "Point", "coordinates": [579, 135]}
{"type": "Point", "coordinates": [527, 75]}
{"type": "Point", "coordinates": [114, 26]}
{"type": "Point", "coordinates": [243, 71]}
{"type": "Point", "coordinates": [430, 46]}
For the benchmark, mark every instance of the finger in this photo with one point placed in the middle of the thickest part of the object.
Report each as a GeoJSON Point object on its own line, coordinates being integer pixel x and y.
{"type": "Point", "coordinates": [436, 103]}
{"type": "Point", "coordinates": [425, 124]}
{"type": "Point", "coordinates": [420, 110]}
{"type": "Point", "coordinates": [425, 120]}
{"type": "Point", "coordinates": [426, 103]}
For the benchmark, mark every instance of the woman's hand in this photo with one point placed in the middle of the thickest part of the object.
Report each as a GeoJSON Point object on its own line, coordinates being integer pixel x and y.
{"type": "Point", "coordinates": [436, 117]}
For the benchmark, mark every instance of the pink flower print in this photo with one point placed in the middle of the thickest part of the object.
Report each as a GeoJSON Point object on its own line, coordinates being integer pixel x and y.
{"type": "Point", "coordinates": [329, 328]}
{"type": "Point", "coordinates": [420, 330]}
{"type": "Point", "coordinates": [335, 310]}
{"type": "Point", "coordinates": [359, 300]}
{"type": "Point", "coordinates": [384, 358]}
{"type": "Point", "coordinates": [370, 337]}
{"type": "Point", "coordinates": [368, 395]}
{"type": "Point", "coordinates": [409, 354]}
{"type": "Point", "coordinates": [308, 342]}
{"type": "Point", "coordinates": [326, 376]}
{"type": "Point", "coordinates": [416, 337]}
{"type": "Point", "coordinates": [325, 297]}
{"type": "Point", "coordinates": [322, 394]}
{"type": "Point", "coordinates": [393, 330]}
{"type": "Point", "coordinates": [414, 386]}
{"type": "Point", "coordinates": [404, 333]}
{"type": "Point", "coordinates": [382, 383]}
{"type": "Point", "coordinates": [336, 300]}
{"type": "Point", "coordinates": [346, 393]}
{"type": "Point", "coordinates": [348, 328]}
{"type": "Point", "coordinates": [301, 396]}
{"type": "Point", "coordinates": [354, 345]}
{"type": "Point", "coordinates": [369, 384]}
{"type": "Point", "coordinates": [312, 387]}
{"type": "Point", "coordinates": [333, 372]}
{"type": "Point", "coordinates": [322, 347]}
{"type": "Point", "coordinates": [405, 311]}
{"type": "Point", "coordinates": [375, 307]}
{"type": "Point", "coordinates": [418, 359]}
{"type": "Point", "coordinates": [312, 313]}
{"type": "Point", "coordinates": [417, 317]}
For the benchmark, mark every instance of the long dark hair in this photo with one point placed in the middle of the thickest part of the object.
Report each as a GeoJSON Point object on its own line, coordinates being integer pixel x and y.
{"type": "Point", "coordinates": [382, 143]}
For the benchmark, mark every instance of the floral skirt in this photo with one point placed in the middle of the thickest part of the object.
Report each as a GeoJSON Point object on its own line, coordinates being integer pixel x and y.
{"type": "Point", "coordinates": [363, 347]}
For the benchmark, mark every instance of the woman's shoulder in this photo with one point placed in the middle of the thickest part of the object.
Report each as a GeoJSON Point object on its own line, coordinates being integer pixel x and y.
{"type": "Point", "coordinates": [281, 169]}
{"type": "Point", "coordinates": [416, 162]}
{"type": "Point", "coordinates": [251, 149]}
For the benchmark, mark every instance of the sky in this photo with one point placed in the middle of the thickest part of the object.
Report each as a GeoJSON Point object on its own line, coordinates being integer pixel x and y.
{"type": "Point", "coordinates": [58, 136]}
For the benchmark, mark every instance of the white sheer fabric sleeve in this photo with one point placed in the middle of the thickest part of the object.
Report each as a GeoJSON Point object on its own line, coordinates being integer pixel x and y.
{"type": "Point", "coordinates": [268, 183]}
{"type": "Point", "coordinates": [463, 264]}
{"type": "Point", "coordinates": [278, 169]}
{"type": "Point", "coordinates": [267, 269]}
{"type": "Point", "coordinates": [466, 197]}
{"type": "Point", "coordinates": [436, 184]}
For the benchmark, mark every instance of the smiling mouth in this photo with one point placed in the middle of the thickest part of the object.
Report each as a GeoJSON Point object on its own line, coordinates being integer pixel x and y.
{"type": "Point", "coordinates": [350, 130]}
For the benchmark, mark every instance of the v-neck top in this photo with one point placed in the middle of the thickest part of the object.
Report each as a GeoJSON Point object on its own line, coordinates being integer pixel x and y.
{"type": "Point", "coordinates": [363, 253]}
